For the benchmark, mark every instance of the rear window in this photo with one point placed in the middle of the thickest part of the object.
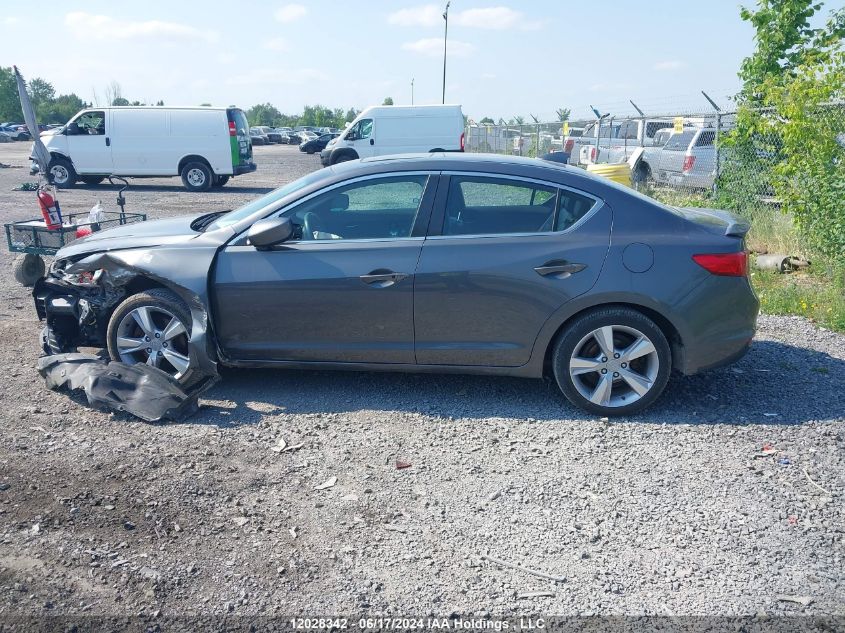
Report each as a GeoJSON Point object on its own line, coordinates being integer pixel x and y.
{"type": "Point", "coordinates": [680, 141]}
{"type": "Point", "coordinates": [239, 118]}
{"type": "Point", "coordinates": [706, 139]}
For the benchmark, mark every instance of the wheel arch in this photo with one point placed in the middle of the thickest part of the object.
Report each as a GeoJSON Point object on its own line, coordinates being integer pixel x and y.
{"type": "Point", "coordinates": [344, 151]}
{"type": "Point", "coordinates": [668, 327]}
{"type": "Point", "coordinates": [190, 158]}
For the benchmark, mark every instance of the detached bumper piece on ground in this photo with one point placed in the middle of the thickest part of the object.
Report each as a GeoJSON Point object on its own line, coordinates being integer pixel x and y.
{"type": "Point", "coordinates": [141, 390]}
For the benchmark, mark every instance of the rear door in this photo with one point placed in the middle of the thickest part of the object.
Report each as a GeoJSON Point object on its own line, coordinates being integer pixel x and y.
{"type": "Point", "coordinates": [240, 143]}
{"type": "Point", "coordinates": [503, 255]}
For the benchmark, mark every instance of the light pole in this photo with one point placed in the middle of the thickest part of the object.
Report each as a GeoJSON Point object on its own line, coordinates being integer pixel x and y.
{"type": "Point", "coordinates": [412, 91]}
{"type": "Point", "coordinates": [445, 36]}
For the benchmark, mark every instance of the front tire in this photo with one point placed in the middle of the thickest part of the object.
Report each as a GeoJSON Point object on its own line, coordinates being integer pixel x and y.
{"type": "Point", "coordinates": [342, 158]}
{"type": "Point", "coordinates": [612, 361]}
{"type": "Point", "coordinates": [60, 172]}
{"type": "Point", "coordinates": [197, 176]}
{"type": "Point", "coordinates": [152, 327]}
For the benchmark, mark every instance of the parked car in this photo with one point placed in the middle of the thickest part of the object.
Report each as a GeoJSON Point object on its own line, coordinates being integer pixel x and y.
{"type": "Point", "coordinates": [17, 132]}
{"type": "Point", "coordinates": [688, 160]}
{"type": "Point", "coordinates": [272, 135]}
{"type": "Point", "coordinates": [204, 146]}
{"type": "Point", "coordinates": [316, 144]}
{"type": "Point", "coordinates": [381, 130]}
{"type": "Point", "coordinates": [5, 137]}
{"type": "Point", "coordinates": [258, 137]}
{"type": "Point", "coordinates": [457, 263]}
{"type": "Point", "coordinates": [294, 138]}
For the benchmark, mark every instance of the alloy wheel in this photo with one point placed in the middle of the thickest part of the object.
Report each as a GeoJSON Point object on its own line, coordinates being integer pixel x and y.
{"type": "Point", "coordinates": [614, 366]}
{"type": "Point", "coordinates": [154, 336]}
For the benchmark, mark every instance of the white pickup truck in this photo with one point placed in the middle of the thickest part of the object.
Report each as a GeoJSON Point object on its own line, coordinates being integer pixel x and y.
{"type": "Point", "coordinates": [614, 141]}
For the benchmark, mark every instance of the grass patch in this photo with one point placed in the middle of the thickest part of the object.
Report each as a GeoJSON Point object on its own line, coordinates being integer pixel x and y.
{"type": "Point", "coordinates": [818, 296]}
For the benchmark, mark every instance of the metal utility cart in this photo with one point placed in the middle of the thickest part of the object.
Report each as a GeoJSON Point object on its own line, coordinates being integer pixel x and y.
{"type": "Point", "coordinates": [34, 240]}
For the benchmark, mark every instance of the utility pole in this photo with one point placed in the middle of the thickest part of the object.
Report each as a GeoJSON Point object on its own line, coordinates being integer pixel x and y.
{"type": "Point", "coordinates": [445, 37]}
{"type": "Point", "coordinates": [412, 91]}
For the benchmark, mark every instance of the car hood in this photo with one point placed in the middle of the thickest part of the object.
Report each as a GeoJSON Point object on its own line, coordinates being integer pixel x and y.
{"type": "Point", "coordinates": [135, 235]}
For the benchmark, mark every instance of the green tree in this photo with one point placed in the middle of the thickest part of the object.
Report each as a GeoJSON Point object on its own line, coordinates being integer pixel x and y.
{"type": "Point", "coordinates": [40, 91]}
{"type": "Point", "coordinates": [487, 121]}
{"type": "Point", "coordinates": [61, 109]}
{"type": "Point", "coordinates": [263, 114]}
{"type": "Point", "coordinates": [563, 114]}
{"type": "Point", "coordinates": [387, 101]}
{"type": "Point", "coordinates": [123, 101]}
{"type": "Point", "coordinates": [785, 41]}
{"type": "Point", "coordinates": [351, 113]}
{"type": "Point", "coordinates": [10, 105]}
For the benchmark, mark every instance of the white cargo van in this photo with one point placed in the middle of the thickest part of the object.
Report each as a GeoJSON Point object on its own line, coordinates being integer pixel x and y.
{"type": "Point", "coordinates": [381, 130]}
{"type": "Point", "coordinates": [205, 146]}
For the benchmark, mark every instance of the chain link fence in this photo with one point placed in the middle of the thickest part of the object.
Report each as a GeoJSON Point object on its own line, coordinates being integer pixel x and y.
{"type": "Point", "coordinates": [687, 157]}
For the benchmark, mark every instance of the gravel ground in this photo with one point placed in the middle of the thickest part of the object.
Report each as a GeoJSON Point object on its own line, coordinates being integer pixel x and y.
{"type": "Point", "coordinates": [721, 499]}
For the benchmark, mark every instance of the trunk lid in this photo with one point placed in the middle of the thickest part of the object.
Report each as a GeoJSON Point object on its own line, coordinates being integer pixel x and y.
{"type": "Point", "coordinates": [715, 221]}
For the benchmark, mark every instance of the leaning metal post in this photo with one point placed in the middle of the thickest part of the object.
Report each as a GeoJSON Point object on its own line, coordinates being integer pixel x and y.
{"type": "Point", "coordinates": [716, 140]}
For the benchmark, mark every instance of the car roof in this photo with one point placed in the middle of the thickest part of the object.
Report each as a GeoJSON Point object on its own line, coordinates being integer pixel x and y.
{"type": "Point", "coordinates": [460, 161]}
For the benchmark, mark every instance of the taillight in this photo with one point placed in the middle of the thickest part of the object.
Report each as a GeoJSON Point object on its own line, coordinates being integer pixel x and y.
{"type": "Point", "coordinates": [462, 141]}
{"type": "Point", "coordinates": [689, 161]}
{"type": "Point", "coordinates": [570, 143]}
{"type": "Point", "coordinates": [593, 152]}
{"type": "Point", "coordinates": [233, 131]}
{"type": "Point", "coordinates": [724, 264]}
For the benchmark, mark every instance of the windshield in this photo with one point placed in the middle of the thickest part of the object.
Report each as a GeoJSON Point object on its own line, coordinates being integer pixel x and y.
{"type": "Point", "coordinates": [233, 217]}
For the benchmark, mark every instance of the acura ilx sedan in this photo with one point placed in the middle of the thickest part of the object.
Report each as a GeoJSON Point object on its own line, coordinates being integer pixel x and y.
{"type": "Point", "coordinates": [425, 263]}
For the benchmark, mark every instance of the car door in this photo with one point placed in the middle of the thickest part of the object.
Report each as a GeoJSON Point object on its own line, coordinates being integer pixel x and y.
{"type": "Point", "coordinates": [341, 290]}
{"type": "Point", "coordinates": [510, 251]}
{"type": "Point", "coordinates": [89, 144]}
{"type": "Point", "coordinates": [362, 138]}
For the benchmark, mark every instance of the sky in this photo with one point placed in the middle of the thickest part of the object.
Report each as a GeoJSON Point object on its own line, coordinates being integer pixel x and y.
{"type": "Point", "coordinates": [505, 57]}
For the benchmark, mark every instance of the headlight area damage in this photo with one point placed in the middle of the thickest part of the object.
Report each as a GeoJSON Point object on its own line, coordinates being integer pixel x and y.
{"type": "Point", "coordinates": [76, 300]}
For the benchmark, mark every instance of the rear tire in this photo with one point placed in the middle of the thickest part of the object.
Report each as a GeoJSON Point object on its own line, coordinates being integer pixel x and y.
{"type": "Point", "coordinates": [28, 269]}
{"type": "Point", "coordinates": [612, 361]}
{"type": "Point", "coordinates": [60, 172]}
{"type": "Point", "coordinates": [197, 176]}
{"type": "Point", "coordinates": [219, 181]}
{"type": "Point", "coordinates": [92, 180]}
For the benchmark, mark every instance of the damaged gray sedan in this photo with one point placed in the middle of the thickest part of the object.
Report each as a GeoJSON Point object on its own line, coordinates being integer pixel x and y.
{"type": "Point", "coordinates": [441, 263]}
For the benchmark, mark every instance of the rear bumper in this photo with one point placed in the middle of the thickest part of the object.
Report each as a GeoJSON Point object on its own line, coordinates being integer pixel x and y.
{"type": "Point", "coordinates": [720, 324]}
{"type": "Point", "coordinates": [244, 168]}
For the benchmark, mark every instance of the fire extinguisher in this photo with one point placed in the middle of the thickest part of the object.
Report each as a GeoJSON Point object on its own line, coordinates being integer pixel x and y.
{"type": "Point", "coordinates": [50, 210]}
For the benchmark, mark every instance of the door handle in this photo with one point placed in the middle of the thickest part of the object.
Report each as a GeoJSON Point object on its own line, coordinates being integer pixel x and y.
{"type": "Point", "coordinates": [372, 141]}
{"type": "Point", "coordinates": [559, 269]}
{"type": "Point", "coordinates": [382, 279]}
{"type": "Point", "coordinates": [108, 142]}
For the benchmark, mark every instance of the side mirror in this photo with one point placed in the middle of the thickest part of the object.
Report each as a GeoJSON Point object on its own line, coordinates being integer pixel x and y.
{"type": "Point", "coordinates": [269, 232]}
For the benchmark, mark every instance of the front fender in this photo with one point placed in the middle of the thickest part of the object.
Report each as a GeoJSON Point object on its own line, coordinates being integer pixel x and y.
{"type": "Point", "coordinates": [184, 271]}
